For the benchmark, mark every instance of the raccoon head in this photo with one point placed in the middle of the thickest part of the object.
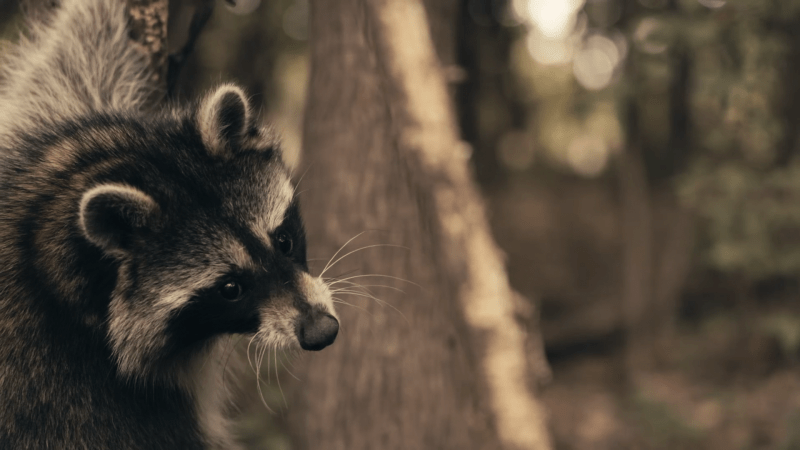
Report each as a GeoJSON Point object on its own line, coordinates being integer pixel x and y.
{"type": "Point", "coordinates": [208, 241]}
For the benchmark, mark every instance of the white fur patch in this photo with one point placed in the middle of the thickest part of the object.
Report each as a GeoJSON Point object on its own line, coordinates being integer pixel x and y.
{"type": "Point", "coordinates": [238, 254]}
{"type": "Point", "coordinates": [281, 195]}
{"type": "Point", "coordinates": [317, 292]}
{"type": "Point", "coordinates": [205, 378]}
{"type": "Point", "coordinates": [277, 325]}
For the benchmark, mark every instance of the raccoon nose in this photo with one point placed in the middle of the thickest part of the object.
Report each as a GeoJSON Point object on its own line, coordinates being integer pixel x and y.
{"type": "Point", "coordinates": [317, 331]}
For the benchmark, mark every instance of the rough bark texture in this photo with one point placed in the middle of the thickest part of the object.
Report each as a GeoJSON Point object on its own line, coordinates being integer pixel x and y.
{"type": "Point", "coordinates": [447, 369]}
{"type": "Point", "coordinates": [149, 35]}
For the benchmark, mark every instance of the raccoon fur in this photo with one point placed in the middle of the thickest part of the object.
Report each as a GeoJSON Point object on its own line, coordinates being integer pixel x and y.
{"type": "Point", "coordinates": [133, 245]}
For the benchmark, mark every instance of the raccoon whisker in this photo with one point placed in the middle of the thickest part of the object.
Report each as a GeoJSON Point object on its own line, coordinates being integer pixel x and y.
{"type": "Point", "coordinates": [296, 185]}
{"type": "Point", "coordinates": [366, 295]}
{"type": "Point", "coordinates": [358, 250]}
{"type": "Point", "coordinates": [376, 275]}
{"type": "Point", "coordinates": [379, 301]}
{"type": "Point", "coordinates": [289, 355]}
{"type": "Point", "coordinates": [256, 365]}
{"type": "Point", "coordinates": [260, 363]}
{"type": "Point", "coordinates": [288, 371]}
{"type": "Point", "coordinates": [228, 357]}
{"type": "Point", "coordinates": [269, 356]}
{"type": "Point", "coordinates": [336, 291]}
{"type": "Point", "coordinates": [338, 277]}
{"type": "Point", "coordinates": [273, 350]}
{"type": "Point", "coordinates": [301, 192]}
{"type": "Point", "coordinates": [258, 338]}
{"type": "Point", "coordinates": [249, 361]}
{"type": "Point", "coordinates": [351, 291]}
{"type": "Point", "coordinates": [361, 294]}
{"type": "Point", "coordinates": [261, 395]}
{"type": "Point", "coordinates": [222, 361]}
{"type": "Point", "coordinates": [365, 286]}
{"type": "Point", "coordinates": [278, 379]}
{"type": "Point", "coordinates": [258, 384]}
{"type": "Point", "coordinates": [342, 302]}
{"type": "Point", "coordinates": [205, 361]}
{"type": "Point", "coordinates": [261, 348]}
{"type": "Point", "coordinates": [337, 252]}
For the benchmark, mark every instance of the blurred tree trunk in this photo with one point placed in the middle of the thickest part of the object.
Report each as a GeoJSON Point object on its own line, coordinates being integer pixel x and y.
{"type": "Point", "coordinates": [671, 270]}
{"type": "Point", "coordinates": [447, 369]}
{"type": "Point", "coordinates": [657, 256]}
{"type": "Point", "coordinates": [657, 249]}
{"type": "Point", "coordinates": [676, 237]}
{"type": "Point", "coordinates": [637, 260]}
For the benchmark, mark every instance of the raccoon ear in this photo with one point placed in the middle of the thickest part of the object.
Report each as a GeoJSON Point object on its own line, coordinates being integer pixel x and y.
{"type": "Point", "coordinates": [110, 214]}
{"type": "Point", "coordinates": [224, 118]}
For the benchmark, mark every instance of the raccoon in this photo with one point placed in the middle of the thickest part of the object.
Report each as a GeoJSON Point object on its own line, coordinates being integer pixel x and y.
{"type": "Point", "coordinates": [134, 244]}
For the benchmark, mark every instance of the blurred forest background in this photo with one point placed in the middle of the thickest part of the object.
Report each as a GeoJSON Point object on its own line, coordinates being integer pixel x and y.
{"type": "Point", "coordinates": [640, 160]}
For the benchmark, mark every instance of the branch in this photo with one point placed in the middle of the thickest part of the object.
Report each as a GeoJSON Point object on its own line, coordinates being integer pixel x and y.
{"type": "Point", "coordinates": [148, 33]}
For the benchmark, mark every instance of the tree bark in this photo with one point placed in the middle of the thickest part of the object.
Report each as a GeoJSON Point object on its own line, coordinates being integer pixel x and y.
{"type": "Point", "coordinates": [148, 24]}
{"type": "Point", "coordinates": [446, 369]}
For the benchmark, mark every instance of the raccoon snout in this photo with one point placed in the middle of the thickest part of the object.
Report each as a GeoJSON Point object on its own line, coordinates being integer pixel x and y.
{"type": "Point", "coordinates": [317, 331]}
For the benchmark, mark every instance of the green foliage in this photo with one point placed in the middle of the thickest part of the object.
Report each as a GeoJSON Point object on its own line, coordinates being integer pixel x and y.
{"type": "Point", "coordinates": [733, 104]}
{"type": "Point", "coordinates": [785, 328]}
{"type": "Point", "coordinates": [736, 88]}
{"type": "Point", "coordinates": [751, 217]}
{"type": "Point", "coordinates": [792, 441]}
{"type": "Point", "coordinates": [661, 426]}
{"type": "Point", "coordinates": [749, 206]}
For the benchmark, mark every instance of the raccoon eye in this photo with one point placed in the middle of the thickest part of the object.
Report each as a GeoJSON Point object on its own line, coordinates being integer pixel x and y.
{"type": "Point", "coordinates": [230, 290]}
{"type": "Point", "coordinates": [285, 244]}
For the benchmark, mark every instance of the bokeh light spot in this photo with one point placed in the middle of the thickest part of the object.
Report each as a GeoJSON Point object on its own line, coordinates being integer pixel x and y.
{"type": "Point", "coordinates": [295, 20]}
{"type": "Point", "coordinates": [554, 18]}
{"type": "Point", "coordinates": [646, 36]}
{"type": "Point", "coordinates": [594, 65]}
{"type": "Point", "coordinates": [548, 51]}
{"type": "Point", "coordinates": [587, 155]}
{"type": "Point", "coordinates": [713, 4]}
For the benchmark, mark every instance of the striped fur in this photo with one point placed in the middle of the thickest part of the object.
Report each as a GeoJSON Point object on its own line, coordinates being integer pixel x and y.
{"type": "Point", "coordinates": [121, 236]}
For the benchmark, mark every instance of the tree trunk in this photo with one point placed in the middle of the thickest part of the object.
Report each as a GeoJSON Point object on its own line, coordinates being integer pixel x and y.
{"type": "Point", "coordinates": [447, 368]}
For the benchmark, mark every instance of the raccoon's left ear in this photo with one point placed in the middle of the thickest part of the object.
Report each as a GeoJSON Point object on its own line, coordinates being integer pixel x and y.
{"type": "Point", "coordinates": [111, 214]}
{"type": "Point", "coordinates": [223, 119]}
